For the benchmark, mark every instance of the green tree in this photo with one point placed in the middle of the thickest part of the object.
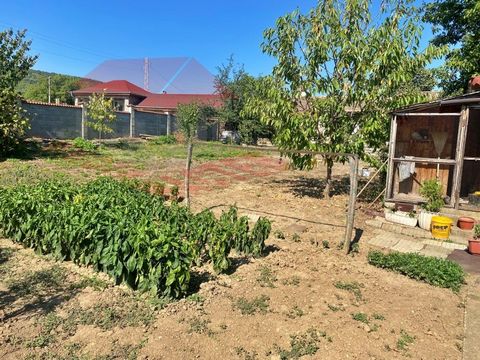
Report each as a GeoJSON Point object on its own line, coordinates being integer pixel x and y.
{"type": "Point", "coordinates": [456, 23]}
{"type": "Point", "coordinates": [60, 88]}
{"type": "Point", "coordinates": [188, 118]}
{"type": "Point", "coordinates": [235, 86]}
{"type": "Point", "coordinates": [15, 63]}
{"type": "Point", "coordinates": [100, 113]}
{"type": "Point", "coordinates": [338, 74]}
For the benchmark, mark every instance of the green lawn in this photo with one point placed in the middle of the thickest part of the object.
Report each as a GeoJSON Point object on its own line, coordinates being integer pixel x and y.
{"type": "Point", "coordinates": [113, 158]}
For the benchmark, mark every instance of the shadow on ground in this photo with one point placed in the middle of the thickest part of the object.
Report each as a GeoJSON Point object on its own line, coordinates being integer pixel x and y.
{"type": "Point", "coordinates": [312, 187]}
{"type": "Point", "coordinates": [36, 292]}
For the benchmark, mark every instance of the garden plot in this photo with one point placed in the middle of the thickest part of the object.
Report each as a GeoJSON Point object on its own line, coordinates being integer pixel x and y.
{"type": "Point", "coordinates": [304, 297]}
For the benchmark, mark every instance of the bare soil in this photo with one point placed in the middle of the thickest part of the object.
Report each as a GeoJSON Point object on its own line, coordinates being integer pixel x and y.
{"type": "Point", "coordinates": [304, 298]}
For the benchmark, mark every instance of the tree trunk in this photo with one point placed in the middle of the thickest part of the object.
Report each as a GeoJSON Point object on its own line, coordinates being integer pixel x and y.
{"type": "Point", "coordinates": [328, 184]}
{"type": "Point", "coordinates": [187, 171]}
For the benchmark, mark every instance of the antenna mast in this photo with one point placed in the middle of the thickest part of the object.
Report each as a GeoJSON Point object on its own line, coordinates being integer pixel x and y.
{"type": "Point", "coordinates": [146, 67]}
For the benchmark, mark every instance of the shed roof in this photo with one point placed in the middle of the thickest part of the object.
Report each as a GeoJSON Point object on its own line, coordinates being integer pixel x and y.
{"type": "Point", "coordinates": [118, 87]}
{"type": "Point", "coordinates": [470, 98]}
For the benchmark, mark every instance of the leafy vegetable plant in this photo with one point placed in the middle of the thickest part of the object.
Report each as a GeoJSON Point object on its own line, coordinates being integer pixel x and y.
{"type": "Point", "coordinates": [120, 228]}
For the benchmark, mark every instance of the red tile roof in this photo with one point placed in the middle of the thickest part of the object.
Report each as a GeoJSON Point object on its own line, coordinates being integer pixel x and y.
{"type": "Point", "coordinates": [171, 101]}
{"type": "Point", "coordinates": [122, 87]}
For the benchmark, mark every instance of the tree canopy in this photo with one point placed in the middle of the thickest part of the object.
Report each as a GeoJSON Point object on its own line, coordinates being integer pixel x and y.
{"type": "Point", "coordinates": [235, 86]}
{"type": "Point", "coordinates": [338, 74]}
{"type": "Point", "coordinates": [100, 113]}
{"type": "Point", "coordinates": [15, 64]}
{"type": "Point", "coordinates": [456, 23]}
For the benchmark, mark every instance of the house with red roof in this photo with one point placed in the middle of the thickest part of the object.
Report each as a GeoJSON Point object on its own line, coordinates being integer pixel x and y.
{"type": "Point", "coordinates": [127, 96]}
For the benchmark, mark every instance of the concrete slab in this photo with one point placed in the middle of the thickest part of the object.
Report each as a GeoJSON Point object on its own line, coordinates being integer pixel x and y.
{"type": "Point", "coordinates": [383, 240]}
{"type": "Point", "coordinates": [408, 246]}
{"type": "Point", "coordinates": [436, 251]}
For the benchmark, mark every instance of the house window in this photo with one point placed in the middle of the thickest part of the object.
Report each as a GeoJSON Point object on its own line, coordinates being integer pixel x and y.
{"type": "Point", "coordinates": [118, 104]}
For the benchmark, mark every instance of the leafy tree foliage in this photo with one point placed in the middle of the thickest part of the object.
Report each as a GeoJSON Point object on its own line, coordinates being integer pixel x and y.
{"type": "Point", "coordinates": [456, 23]}
{"type": "Point", "coordinates": [15, 63]}
{"type": "Point", "coordinates": [60, 88]}
{"type": "Point", "coordinates": [101, 113]}
{"type": "Point", "coordinates": [338, 74]}
{"type": "Point", "coordinates": [235, 85]}
{"type": "Point", "coordinates": [35, 86]}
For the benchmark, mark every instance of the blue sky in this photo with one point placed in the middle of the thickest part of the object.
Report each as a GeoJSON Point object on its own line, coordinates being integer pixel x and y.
{"type": "Point", "coordinates": [74, 36]}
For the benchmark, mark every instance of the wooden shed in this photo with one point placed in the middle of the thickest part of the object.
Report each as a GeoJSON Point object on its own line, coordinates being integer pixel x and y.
{"type": "Point", "coordinates": [439, 139]}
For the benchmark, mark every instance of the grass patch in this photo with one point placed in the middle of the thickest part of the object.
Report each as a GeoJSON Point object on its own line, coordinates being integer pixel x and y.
{"type": "Point", "coordinates": [353, 287]}
{"type": "Point", "coordinates": [404, 340]}
{"type": "Point", "coordinates": [433, 271]}
{"type": "Point", "coordinates": [123, 311]}
{"type": "Point", "coordinates": [293, 281]}
{"type": "Point", "coordinates": [303, 345]}
{"type": "Point", "coordinates": [256, 305]}
{"type": "Point", "coordinates": [335, 308]}
{"type": "Point", "coordinates": [295, 312]}
{"type": "Point", "coordinates": [266, 277]}
{"type": "Point", "coordinates": [47, 333]}
{"type": "Point", "coordinates": [199, 326]}
{"type": "Point", "coordinates": [91, 281]}
{"type": "Point", "coordinates": [39, 282]}
{"type": "Point", "coordinates": [362, 317]}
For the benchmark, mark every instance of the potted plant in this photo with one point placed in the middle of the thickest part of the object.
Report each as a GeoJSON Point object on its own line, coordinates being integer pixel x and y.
{"type": "Point", "coordinates": [474, 243]}
{"type": "Point", "coordinates": [401, 217]}
{"type": "Point", "coordinates": [431, 190]}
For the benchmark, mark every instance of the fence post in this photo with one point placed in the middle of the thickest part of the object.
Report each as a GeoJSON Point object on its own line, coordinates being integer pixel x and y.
{"type": "Point", "coordinates": [132, 123]}
{"type": "Point", "coordinates": [83, 127]}
{"type": "Point", "coordinates": [168, 123]}
{"type": "Point", "coordinates": [353, 161]}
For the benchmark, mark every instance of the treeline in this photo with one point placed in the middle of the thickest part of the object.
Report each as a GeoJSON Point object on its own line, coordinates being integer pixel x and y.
{"type": "Point", "coordinates": [35, 86]}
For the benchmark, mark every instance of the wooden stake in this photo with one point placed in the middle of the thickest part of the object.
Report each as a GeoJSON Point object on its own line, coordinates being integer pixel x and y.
{"type": "Point", "coordinates": [353, 161]}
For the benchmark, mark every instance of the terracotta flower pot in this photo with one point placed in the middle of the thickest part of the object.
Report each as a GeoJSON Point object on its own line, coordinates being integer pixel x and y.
{"type": "Point", "coordinates": [466, 223]}
{"type": "Point", "coordinates": [474, 246]}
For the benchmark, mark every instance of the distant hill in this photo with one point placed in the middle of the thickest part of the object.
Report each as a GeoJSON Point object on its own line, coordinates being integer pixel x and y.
{"type": "Point", "coordinates": [35, 86]}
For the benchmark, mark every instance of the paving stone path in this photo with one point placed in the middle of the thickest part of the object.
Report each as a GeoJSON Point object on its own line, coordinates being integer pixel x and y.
{"type": "Point", "coordinates": [401, 243]}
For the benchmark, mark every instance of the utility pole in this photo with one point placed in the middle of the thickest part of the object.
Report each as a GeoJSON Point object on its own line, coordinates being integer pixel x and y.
{"type": "Point", "coordinates": [49, 89]}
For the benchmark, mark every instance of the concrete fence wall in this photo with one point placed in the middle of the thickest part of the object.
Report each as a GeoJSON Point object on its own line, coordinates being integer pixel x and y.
{"type": "Point", "coordinates": [68, 122]}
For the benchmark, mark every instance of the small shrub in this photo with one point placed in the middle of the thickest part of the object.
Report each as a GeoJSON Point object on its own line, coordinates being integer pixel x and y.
{"type": "Point", "coordinates": [84, 144]}
{"type": "Point", "coordinates": [164, 140]}
{"type": "Point", "coordinates": [279, 234]}
{"type": "Point", "coordinates": [433, 271]}
{"type": "Point", "coordinates": [326, 244]}
{"type": "Point", "coordinates": [476, 231]}
{"type": "Point", "coordinates": [335, 308]}
{"type": "Point", "coordinates": [174, 191]}
{"type": "Point", "coordinates": [296, 238]}
{"type": "Point", "coordinates": [303, 345]}
{"type": "Point", "coordinates": [377, 316]}
{"type": "Point", "coordinates": [250, 307]}
{"type": "Point", "coordinates": [362, 317]}
{"type": "Point", "coordinates": [353, 287]}
{"type": "Point", "coordinates": [295, 312]}
{"type": "Point", "coordinates": [405, 340]}
{"type": "Point", "coordinates": [293, 281]}
{"type": "Point", "coordinates": [267, 277]}
{"type": "Point", "coordinates": [431, 190]}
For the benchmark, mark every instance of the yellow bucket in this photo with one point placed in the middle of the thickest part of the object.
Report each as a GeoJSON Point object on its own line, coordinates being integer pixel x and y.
{"type": "Point", "coordinates": [441, 226]}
